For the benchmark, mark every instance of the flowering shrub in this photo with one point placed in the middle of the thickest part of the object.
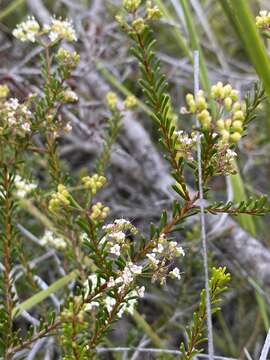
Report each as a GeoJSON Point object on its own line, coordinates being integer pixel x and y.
{"type": "Point", "coordinates": [108, 259]}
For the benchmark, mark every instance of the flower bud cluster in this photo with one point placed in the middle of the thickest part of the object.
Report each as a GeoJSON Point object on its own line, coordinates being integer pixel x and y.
{"type": "Point", "coordinates": [23, 187]}
{"type": "Point", "coordinates": [131, 5]}
{"type": "Point", "coordinates": [230, 128]}
{"type": "Point", "coordinates": [99, 212]}
{"type": "Point", "coordinates": [94, 183]}
{"type": "Point", "coordinates": [51, 240]}
{"type": "Point", "coordinates": [153, 12]}
{"type": "Point", "coordinates": [59, 199]}
{"type": "Point", "coordinates": [58, 29]}
{"type": "Point", "coordinates": [163, 253]}
{"type": "Point", "coordinates": [263, 20]}
{"type": "Point", "coordinates": [130, 102]}
{"type": "Point", "coordinates": [16, 117]}
{"type": "Point", "coordinates": [112, 100]}
{"type": "Point", "coordinates": [67, 58]}
{"type": "Point", "coordinates": [139, 25]}
{"type": "Point", "coordinates": [200, 107]}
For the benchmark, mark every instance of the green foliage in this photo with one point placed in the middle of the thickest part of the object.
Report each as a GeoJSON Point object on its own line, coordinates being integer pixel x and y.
{"type": "Point", "coordinates": [217, 285]}
{"type": "Point", "coordinates": [105, 262]}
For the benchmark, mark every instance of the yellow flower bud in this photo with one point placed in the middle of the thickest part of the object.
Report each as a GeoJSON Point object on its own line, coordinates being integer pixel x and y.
{"type": "Point", "coordinates": [234, 95]}
{"type": "Point", "coordinates": [138, 25]}
{"type": "Point", "coordinates": [203, 115]}
{"type": "Point", "coordinates": [189, 97]}
{"type": "Point", "coordinates": [228, 103]}
{"type": "Point", "coordinates": [192, 106]}
{"type": "Point", "coordinates": [131, 5]}
{"type": "Point", "coordinates": [225, 135]}
{"type": "Point", "coordinates": [112, 100]}
{"type": "Point", "coordinates": [4, 90]}
{"type": "Point", "coordinates": [130, 102]}
{"type": "Point", "coordinates": [237, 126]}
{"type": "Point", "coordinates": [201, 103]}
{"type": "Point", "coordinates": [228, 123]}
{"type": "Point", "coordinates": [206, 123]}
{"type": "Point", "coordinates": [239, 115]}
{"type": "Point", "coordinates": [227, 90]}
{"type": "Point", "coordinates": [236, 106]}
{"type": "Point", "coordinates": [235, 137]}
{"type": "Point", "coordinates": [220, 124]}
{"type": "Point", "coordinates": [153, 13]}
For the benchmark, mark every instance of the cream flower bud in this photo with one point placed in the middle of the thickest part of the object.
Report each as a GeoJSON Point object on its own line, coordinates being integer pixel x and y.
{"type": "Point", "coordinates": [220, 124]}
{"type": "Point", "coordinates": [239, 115]}
{"type": "Point", "coordinates": [138, 25]}
{"type": "Point", "coordinates": [228, 103]}
{"type": "Point", "coordinates": [236, 106]}
{"type": "Point", "coordinates": [4, 90]}
{"type": "Point", "coordinates": [201, 103]}
{"type": "Point", "coordinates": [228, 123]}
{"type": "Point", "coordinates": [130, 102]}
{"type": "Point", "coordinates": [131, 5]}
{"type": "Point", "coordinates": [112, 100]}
{"type": "Point", "coordinates": [235, 137]}
{"type": "Point", "coordinates": [225, 135]}
{"type": "Point", "coordinates": [237, 126]}
{"type": "Point", "coordinates": [234, 95]}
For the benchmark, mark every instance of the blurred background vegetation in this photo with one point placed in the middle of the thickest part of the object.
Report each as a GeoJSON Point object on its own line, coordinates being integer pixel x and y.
{"type": "Point", "coordinates": [231, 51]}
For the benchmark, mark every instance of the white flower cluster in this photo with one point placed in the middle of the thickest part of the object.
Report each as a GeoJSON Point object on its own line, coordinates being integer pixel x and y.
{"type": "Point", "coordinates": [50, 239]}
{"type": "Point", "coordinates": [23, 187]}
{"type": "Point", "coordinates": [27, 30]}
{"type": "Point", "coordinates": [115, 236]}
{"type": "Point", "coordinates": [61, 29]}
{"type": "Point", "coordinates": [58, 29]}
{"type": "Point", "coordinates": [164, 252]}
{"type": "Point", "coordinates": [128, 303]}
{"type": "Point", "coordinates": [185, 144]}
{"type": "Point", "coordinates": [16, 116]}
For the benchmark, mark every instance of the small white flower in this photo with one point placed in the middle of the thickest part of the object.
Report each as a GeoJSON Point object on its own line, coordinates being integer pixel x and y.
{"type": "Point", "coordinates": [119, 236]}
{"type": "Point", "coordinates": [23, 187]}
{"type": "Point", "coordinates": [109, 303]}
{"type": "Point", "coordinates": [175, 273]}
{"type": "Point", "coordinates": [115, 250]}
{"type": "Point", "coordinates": [13, 103]}
{"type": "Point", "coordinates": [68, 127]}
{"type": "Point", "coordinates": [159, 249]}
{"type": "Point", "coordinates": [111, 282]}
{"type": "Point", "coordinates": [84, 237]}
{"type": "Point", "coordinates": [126, 276]}
{"type": "Point", "coordinates": [49, 239]}
{"type": "Point", "coordinates": [153, 261]}
{"type": "Point", "coordinates": [180, 251]}
{"type": "Point", "coordinates": [26, 126]}
{"type": "Point", "coordinates": [135, 269]}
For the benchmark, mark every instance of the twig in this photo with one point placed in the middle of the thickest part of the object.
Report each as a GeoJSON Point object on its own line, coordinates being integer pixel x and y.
{"type": "Point", "coordinates": [266, 347]}
{"type": "Point", "coordinates": [202, 218]}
